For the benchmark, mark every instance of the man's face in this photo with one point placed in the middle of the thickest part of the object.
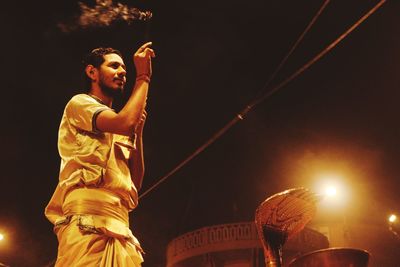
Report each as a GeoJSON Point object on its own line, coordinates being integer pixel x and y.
{"type": "Point", "coordinates": [112, 75]}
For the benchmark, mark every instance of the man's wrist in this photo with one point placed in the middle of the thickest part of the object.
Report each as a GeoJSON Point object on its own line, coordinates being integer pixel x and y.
{"type": "Point", "coordinates": [143, 77]}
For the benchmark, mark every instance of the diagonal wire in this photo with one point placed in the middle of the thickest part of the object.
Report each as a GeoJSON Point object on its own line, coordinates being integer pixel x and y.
{"type": "Point", "coordinates": [316, 58]}
{"type": "Point", "coordinates": [283, 62]}
{"type": "Point", "coordinates": [240, 115]}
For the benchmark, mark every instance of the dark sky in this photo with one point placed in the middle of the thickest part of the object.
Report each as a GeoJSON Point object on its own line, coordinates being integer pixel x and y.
{"type": "Point", "coordinates": [213, 57]}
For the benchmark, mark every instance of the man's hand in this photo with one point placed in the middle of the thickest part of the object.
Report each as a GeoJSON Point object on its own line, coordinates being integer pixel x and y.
{"type": "Point", "coordinates": [142, 60]}
{"type": "Point", "coordinates": [140, 125]}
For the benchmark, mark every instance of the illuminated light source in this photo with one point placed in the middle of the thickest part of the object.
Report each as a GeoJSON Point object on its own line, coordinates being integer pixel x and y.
{"type": "Point", "coordinates": [334, 192]}
{"type": "Point", "coordinates": [1, 237]}
{"type": "Point", "coordinates": [330, 191]}
{"type": "Point", "coordinates": [392, 218]}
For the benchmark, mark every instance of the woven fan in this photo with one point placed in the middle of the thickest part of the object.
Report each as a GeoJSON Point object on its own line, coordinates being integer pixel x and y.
{"type": "Point", "coordinates": [280, 217]}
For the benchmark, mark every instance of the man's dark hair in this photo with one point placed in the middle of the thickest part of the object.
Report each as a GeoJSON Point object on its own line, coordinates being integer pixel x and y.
{"type": "Point", "coordinates": [96, 58]}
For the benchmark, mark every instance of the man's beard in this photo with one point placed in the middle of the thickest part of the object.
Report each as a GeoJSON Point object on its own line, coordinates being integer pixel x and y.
{"type": "Point", "coordinates": [110, 92]}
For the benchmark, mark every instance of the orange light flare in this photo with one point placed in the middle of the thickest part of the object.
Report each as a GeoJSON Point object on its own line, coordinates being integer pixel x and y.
{"type": "Point", "coordinates": [4, 240]}
{"type": "Point", "coordinates": [7, 235]}
{"type": "Point", "coordinates": [393, 219]}
{"type": "Point", "coordinates": [341, 172]}
{"type": "Point", "coordinates": [333, 190]}
{"type": "Point", "coordinates": [394, 225]}
{"type": "Point", "coordinates": [330, 191]}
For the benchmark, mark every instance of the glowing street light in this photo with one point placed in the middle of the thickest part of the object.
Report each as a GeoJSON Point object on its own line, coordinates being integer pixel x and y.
{"type": "Point", "coordinates": [394, 226]}
{"type": "Point", "coordinates": [333, 191]}
{"type": "Point", "coordinates": [392, 218]}
{"type": "Point", "coordinates": [1, 237]}
{"type": "Point", "coordinates": [330, 191]}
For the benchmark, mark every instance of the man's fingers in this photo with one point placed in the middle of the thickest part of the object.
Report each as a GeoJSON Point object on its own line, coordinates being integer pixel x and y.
{"type": "Point", "coordinates": [142, 59]}
{"type": "Point", "coordinates": [149, 52]}
{"type": "Point", "coordinates": [143, 47]}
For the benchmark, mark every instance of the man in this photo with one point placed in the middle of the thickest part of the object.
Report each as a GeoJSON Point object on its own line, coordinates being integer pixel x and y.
{"type": "Point", "coordinates": [101, 165]}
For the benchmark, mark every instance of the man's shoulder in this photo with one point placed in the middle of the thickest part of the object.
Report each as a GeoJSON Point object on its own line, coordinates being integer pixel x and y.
{"type": "Point", "coordinates": [82, 98]}
{"type": "Point", "coordinates": [81, 111]}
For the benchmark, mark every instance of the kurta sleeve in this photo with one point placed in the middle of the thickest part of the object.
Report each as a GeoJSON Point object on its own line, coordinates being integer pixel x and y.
{"type": "Point", "coordinates": [82, 111]}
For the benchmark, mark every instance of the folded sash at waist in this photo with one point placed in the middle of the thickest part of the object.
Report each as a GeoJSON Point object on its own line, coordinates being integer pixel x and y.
{"type": "Point", "coordinates": [97, 210]}
{"type": "Point", "coordinates": [95, 201]}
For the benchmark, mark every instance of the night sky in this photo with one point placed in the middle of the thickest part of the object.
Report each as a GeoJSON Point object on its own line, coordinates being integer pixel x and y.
{"type": "Point", "coordinates": [341, 116]}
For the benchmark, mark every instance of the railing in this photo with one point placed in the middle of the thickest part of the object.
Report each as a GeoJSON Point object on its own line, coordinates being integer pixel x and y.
{"type": "Point", "coordinates": [211, 239]}
{"type": "Point", "coordinates": [233, 236]}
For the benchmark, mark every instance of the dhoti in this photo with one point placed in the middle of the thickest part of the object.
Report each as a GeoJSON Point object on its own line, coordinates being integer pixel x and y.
{"type": "Point", "coordinates": [95, 231]}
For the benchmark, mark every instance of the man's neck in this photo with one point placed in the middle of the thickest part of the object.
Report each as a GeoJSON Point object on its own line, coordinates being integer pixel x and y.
{"type": "Point", "coordinates": [97, 93]}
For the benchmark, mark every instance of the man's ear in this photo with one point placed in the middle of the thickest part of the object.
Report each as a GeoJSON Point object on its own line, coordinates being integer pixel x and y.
{"type": "Point", "coordinates": [91, 72]}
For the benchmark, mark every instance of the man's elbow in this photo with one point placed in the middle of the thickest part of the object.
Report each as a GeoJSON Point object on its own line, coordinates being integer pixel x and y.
{"type": "Point", "coordinates": [127, 127]}
{"type": "Point", "coordinates": [127, 130]}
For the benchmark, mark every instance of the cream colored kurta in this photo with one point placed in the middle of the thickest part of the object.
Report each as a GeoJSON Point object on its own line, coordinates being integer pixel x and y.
{"type": "Point", "coordinates": [90, 205]}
